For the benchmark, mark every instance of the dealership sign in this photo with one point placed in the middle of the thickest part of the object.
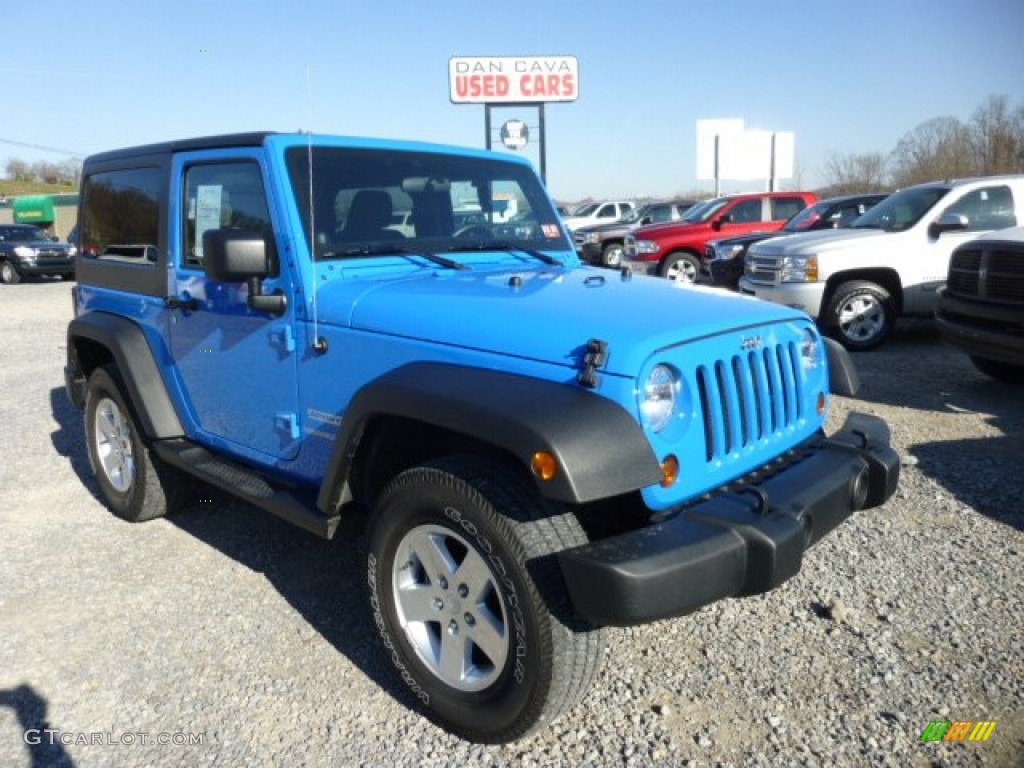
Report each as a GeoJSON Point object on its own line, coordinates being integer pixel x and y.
{"type": "Point", "coordinates": [513, 79]}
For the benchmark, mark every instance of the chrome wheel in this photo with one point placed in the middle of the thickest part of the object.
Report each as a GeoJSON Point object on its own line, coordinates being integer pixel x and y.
{"type": "Point", "coordinates": [448, 604]}
{"type": "Point", "coordinates": [680, 270]}
{"type": "Point", "coordinates": [861, 318]}
{"type": "Point", "coordinates": [114, 445]}
{"type": "Point", "coordinates": [612, 255]}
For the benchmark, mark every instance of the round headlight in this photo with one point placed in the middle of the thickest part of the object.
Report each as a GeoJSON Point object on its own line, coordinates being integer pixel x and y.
{"type": "Point", "coordinates": [658, 398]}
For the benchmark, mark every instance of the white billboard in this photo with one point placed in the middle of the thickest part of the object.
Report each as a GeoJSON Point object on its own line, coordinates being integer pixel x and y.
{"type": "Point", "coordinates": [512, 79]}
{"type": "Point", "coordinates": [739, 154]}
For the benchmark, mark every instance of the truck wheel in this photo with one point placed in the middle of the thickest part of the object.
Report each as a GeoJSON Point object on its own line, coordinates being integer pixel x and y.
{"type": "Point", "coordinates": [9, 275]}
{"type": "Point", "coordinates": [1000, 371]}
{"type": "Point", "coordinates": [611, 256]}
{"type": "Point", "coordinates": [133, 483]}
{"type": "Point", "coordinates": [681, 267]}
{"type": "Point", "coordinates": [860, 314]}
{"type": "Point", "coordinates": [470, 604]}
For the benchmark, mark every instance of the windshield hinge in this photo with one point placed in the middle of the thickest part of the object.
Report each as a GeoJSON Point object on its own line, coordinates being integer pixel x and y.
{"type": "Point", "coordinates": [594, 358]}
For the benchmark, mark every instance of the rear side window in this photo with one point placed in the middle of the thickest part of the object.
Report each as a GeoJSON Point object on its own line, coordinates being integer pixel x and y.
{"type": "Point", "coordinates": [121, 218]}
{"type": "Point", "coordinates": [786, 207]}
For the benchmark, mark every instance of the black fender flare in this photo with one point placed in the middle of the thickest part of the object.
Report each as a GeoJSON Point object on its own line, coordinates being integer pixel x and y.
{"type": "Point", "coordinates": [136, 365]}
{"type": "Point", "coordinates": [601, 449]}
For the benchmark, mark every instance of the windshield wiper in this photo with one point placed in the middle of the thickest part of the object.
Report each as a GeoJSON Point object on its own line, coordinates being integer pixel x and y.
{"type": "Point", "coordinates": [491, 245]}
{"type": "Point", "coordinates": [384, 250]}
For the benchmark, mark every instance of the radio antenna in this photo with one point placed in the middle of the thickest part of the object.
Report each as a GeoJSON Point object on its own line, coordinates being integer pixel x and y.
{"type": "Point", "coordinates": [319, 343]}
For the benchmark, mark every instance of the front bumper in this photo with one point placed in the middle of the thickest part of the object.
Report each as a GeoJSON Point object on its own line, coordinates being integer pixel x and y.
{"type": "Point", "coordinates": [803, 296]}
{"type": "Point", "coordinates": [984, 329]}
{"type": "Point", "coordinates": [639, 267]}
{"type": "Point", "coordinates": [45, 268]}
{"type": "Point", "coordinates": [744, 540]}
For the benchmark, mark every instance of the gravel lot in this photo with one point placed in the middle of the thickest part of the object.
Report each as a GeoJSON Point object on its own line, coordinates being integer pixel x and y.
{"type": "Point", "coordinates": [226, 625]}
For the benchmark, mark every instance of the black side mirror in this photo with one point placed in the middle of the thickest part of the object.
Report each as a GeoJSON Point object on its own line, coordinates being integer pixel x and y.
{"type": "Point", "coordinates": [240, 255]}
{"type": "Point", "coordinates": [645, 220]}
{"type": "Point", "coordinates": [948, 222]}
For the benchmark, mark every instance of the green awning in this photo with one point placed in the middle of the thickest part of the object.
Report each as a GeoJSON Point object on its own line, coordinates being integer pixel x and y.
{"type": "Point", "coordinates": [33, 209]}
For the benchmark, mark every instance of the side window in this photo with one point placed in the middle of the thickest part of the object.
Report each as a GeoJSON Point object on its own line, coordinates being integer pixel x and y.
{"type": "Point", "coordinates": [218, 196]}
{"type": "Point", "coordinates": [987, 208]}
{"type": "Point", "coordinates": [746, 212]}
{"type": "Point", "coordinates": [786, 207]}
{"type": "Point", "coordinates": [121, 217]}
{"type": "Point", "coordinates": [606, 211]}
{"type": "Point", "coordinates": [660, 214]}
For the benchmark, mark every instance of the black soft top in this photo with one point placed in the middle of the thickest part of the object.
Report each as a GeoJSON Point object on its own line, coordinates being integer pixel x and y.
{"type": "Point", "coordinates": [254, 139]}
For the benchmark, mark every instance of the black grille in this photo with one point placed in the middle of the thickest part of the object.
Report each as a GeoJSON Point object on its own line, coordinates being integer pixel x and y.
{"type": "Point", "coordinates": [748, 397]}
{"type": "Point", "coordinates": [995, 272]}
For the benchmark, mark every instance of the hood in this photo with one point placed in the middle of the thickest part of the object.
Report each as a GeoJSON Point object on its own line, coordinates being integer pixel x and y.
{"type": "Point", "coordinates": [543, 314]}
{"type": "Point", "coordinates": [610, 227]}
{"type": "Point", "coordinates": [654, 231]}
{"type": "Point", "coordinates": [818, 241]}
{"type": "Point", "coordinates": [752, 237]}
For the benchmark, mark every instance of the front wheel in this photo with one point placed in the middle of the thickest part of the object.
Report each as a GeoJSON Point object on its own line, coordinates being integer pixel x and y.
{"type": "Point", "coordinates": [471, 605]}
{"type": "Point", "coordinates": [681, 267]}
{"type": "Point", "coordinates": [9, 274]}
{"type": "Point", "coordinates": [860, 314]}
{"type": "Point", "coordinates": [611, 256]}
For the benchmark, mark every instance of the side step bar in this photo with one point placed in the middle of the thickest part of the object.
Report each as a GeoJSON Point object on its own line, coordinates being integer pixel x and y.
{"type": "Point", "coordinates": [246, 484]}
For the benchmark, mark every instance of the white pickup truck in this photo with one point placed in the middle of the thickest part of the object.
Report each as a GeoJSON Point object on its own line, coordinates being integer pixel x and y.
{"type": "Point", "coordinates": [889, 263]}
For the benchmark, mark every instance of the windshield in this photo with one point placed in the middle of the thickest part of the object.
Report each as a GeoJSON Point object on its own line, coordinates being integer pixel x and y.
{"type": "Point", "coordinates": [901, 210]}
{"type": "Point", "coordinates": [454, 203]}
{"type": "Point", "coordinates": [807, 218]}
{"type": "Point", "coordinates": [22, 234]}
{"type": "Point", "coordinates": [586, 209]}
{"type": "Point", "coordinates": [704, 211]}
{"type": "Point", "coordinates": [634, 215]}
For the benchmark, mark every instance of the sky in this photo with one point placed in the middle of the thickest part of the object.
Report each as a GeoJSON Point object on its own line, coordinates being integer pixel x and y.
{"type": "Point", "coordinates": [84, 77]}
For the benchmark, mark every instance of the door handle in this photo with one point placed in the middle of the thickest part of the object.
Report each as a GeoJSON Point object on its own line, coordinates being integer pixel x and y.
{"type": "Point", "coordinates": [174, 302]}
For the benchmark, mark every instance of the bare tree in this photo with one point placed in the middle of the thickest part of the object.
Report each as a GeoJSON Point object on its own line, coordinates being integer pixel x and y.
{"type": "Point", "coordinates": [937, 149]}
{"type": "Point", "coordinates": [997, 137]}
{"type": "Point", "coordinates": [18, 170]}
{"type": "Point", "coordinates": [852, 173]}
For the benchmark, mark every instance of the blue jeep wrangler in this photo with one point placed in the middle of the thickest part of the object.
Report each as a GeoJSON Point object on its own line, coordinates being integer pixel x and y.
{"type": "Point", "coordinates": [334, 327]}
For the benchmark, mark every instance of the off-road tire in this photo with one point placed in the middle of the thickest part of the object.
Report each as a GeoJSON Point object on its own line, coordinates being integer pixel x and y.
{"type": "Point", "coordinates": [492, 539]}
{"type": "Point", "coordinates": [860, 314]}
{"type": "Point", "coordinates": [135, 484]}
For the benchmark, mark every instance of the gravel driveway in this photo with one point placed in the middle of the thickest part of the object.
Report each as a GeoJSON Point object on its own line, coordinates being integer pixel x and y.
{"type": "Point", "coordinates": [223, 636]}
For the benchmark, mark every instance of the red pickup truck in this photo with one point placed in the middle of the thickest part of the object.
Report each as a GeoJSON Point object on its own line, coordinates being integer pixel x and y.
{"type": "Point", "coordinates": [674, 250]}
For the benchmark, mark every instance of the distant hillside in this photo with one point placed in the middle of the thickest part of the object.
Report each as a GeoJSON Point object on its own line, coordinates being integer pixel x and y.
{"type": "Point", "coordinates": [12, 188]}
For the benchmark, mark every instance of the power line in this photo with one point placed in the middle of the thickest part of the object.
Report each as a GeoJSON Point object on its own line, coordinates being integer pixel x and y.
{"type": "Point", "coordinates": [45, 149]}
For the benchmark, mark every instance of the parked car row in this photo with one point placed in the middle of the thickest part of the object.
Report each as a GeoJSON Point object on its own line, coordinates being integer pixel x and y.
{"type": "Point", "coordinates": [889, 263]}
{"type": "Point", "coordinates": [603, 243]}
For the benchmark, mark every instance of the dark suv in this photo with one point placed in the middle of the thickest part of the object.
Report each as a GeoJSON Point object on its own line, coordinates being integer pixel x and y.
{"type": "Point", "coordinates": [723, 259]}
{"type": "Point", "coordinates": [26, 250]}
{"type": "Point", "coordinates": [981, 307]}
{"type": "Point", "coordinates": [602, 243]}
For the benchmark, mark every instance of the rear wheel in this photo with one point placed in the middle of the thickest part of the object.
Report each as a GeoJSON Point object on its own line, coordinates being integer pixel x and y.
{"type": "Point", "coordinates": [135, 484]}
{"type": "Point", "coordinates": [9, 274]}
{"type": "Point", "coordinates": [471, 605]}
{"type": "Point", "coordinates": [860, 314]}
{"type": "Point", "coordinates": [681, 267]}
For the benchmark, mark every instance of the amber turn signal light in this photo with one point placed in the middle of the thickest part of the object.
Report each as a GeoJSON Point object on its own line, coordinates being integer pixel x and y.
{"type": "Point", "coordinates": [544, 465]}
{"type": "Point", "coordinates": [669, 471]}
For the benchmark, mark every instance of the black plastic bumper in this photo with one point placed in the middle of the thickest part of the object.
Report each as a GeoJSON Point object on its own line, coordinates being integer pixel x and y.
{"type": "Point", "coordinates": [737, 543]}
